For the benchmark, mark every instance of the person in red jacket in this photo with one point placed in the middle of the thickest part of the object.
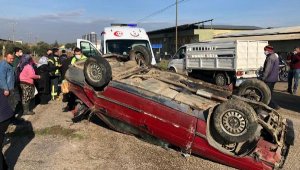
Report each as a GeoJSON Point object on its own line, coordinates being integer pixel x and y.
{"type": "Point", "coordinates": [294, 73]}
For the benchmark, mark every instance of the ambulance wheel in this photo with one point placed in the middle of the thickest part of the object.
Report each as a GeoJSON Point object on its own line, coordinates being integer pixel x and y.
{"type": "Point", "coordinates": [142, 55]}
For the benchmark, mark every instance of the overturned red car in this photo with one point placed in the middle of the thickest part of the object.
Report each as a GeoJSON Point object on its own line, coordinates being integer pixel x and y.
{"type": "Point", "coordinates": [173, 110]}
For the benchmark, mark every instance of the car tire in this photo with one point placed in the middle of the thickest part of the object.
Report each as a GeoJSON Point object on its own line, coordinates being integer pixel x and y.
{"type": "Point", "coordinates": [97, 72]}
{"type": "Point", "coordinates": [256, 90]}
{"type": "Point", "coordinates": [235, 121]}
{"type": "Point", "coordinates": [142, 55]}
{"type": "Point", "coordinates": [220, 79]}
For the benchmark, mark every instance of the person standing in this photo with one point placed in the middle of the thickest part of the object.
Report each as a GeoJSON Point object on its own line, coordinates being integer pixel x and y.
{"type": "Point", "coordinates": [294, 73]}
{"type": "Point", "coordinates": [7, 86]}
{"type": "Point", "coordinates": [70, 97]}
{"type": "Point", "coordinates": [271, 71]}
{"type": "Point", "coordinates": [18, 52]}
{"type": "Point", "coordinates": [43, 84]}
{"type": "Point", "coordinates": [27, 77]}
{"type": "Point", "coordinates": [54, 65]}
{"type": "Point", "coordinates": [49, 52]}
{"type": "Point", "coordinates": [291, 71]}
{"type": "Point", "coordinates": [63, 56]}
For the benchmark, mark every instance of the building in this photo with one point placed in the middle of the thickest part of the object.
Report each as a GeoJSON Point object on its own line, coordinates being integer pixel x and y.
{"type": "Point", "coordinates": [92, 37]}
{"type": "Point", "coordinates": [5, 41]}
{"type": "Point", "coordinates": [283, 39]}
{"type": "Point", "coordinates": [190, 33]}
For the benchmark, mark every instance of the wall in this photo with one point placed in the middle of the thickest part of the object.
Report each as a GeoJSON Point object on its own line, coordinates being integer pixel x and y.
{"type": "Point", "coordinates": [184, 37]}
{"type": "Point", "coordinates": [208, 34]}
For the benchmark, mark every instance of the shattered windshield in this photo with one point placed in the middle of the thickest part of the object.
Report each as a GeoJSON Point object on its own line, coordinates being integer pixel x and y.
{"type": "Point", "coordinates": [123, 47]}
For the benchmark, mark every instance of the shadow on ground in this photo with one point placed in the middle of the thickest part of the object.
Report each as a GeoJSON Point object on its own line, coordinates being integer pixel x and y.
{"type": "Point", "coordinates": [287, 101]}
{"type": "Point", "coordinates": [18, 140]}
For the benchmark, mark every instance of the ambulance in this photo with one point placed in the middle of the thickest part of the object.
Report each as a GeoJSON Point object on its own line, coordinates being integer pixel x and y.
{"type": "Point", "coordinates": [121, 38]}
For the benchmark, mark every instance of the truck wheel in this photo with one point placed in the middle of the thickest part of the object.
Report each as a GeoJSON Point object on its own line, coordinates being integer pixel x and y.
{"type": "Point", "coordinates": [235, 121]}
{"type": "Point", "coordinates": [220, 79]}
{"type": "Point", "coordinates": [172, 69]}
{"type": "Point", "coordinates": [283, 75]}
{"type": "Point", "coordinates": [256, 90]}
{"type": "Point", "coordinates": [97, 72]}
{"type": "Point", "coordinates": [142, 55]}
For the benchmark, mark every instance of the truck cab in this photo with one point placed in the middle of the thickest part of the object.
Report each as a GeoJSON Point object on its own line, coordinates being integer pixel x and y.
{"type": "Point", "coordinates": [177, 63]}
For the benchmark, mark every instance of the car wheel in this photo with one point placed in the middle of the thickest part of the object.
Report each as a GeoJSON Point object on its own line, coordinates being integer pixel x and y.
{"type": "Point", "coordinates": [142, 55]}
{"type": "Point", "coordinates": [220, 79]}
{"type": "Point", "coordinates": [235, 121]}
{"type": "Point", "coordinates": [97, 72]}
{"type": "Point", "coordinates": [255, 90]}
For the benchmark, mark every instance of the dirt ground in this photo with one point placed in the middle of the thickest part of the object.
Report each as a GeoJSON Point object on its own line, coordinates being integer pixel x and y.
{"type": "Point", "coordinates": [49, 140]}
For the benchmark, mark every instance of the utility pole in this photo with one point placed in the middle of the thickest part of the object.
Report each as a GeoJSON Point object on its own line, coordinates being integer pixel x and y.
{"type": "Point", "coordinates": [13, 30]}
{"type": "Point", "coordinates": [176, 31]}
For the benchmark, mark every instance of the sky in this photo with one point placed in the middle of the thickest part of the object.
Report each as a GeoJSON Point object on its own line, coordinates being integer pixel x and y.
{"type": "Point", "coordinates": [66, 20]}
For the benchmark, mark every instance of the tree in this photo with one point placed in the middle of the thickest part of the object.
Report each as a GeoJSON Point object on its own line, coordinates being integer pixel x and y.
{"type": "Point", "coordinates": [56, 45]}
{"type": "Point", "coordinates": [70, 45]}
{"type": "Point", "coordinates": [41, 48]}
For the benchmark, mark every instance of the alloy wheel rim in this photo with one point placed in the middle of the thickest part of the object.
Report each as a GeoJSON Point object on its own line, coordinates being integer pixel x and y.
{"type": "Point", "coordinates": [234, 122]}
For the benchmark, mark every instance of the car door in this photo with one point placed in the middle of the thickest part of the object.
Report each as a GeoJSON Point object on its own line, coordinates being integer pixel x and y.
{"type": "Point", "coordinates": [88, 48]}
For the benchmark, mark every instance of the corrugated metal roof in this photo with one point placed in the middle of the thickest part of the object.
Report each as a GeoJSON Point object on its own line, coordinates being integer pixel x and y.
{"type": "Point", "coordinates": [262, 32]}
{"type": "Point", "coordinates": [200, 26]}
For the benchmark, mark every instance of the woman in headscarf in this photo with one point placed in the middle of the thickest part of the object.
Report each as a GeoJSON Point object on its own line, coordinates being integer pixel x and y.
{"type": "Point", "coordinates": [43, 84]}
{"type": "Point", "coordinates": [27, 77]}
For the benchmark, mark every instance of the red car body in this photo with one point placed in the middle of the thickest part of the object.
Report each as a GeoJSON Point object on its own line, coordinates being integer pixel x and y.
{"type": "Point", "coordinates": [168, 121]}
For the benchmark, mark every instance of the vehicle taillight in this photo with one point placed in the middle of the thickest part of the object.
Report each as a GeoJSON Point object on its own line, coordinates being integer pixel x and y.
{"type": "Point", "coordinates": [239, 73]}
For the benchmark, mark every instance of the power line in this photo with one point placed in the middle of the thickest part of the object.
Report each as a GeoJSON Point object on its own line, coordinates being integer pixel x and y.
{"type": "Point", "coordinates": [159, 11]}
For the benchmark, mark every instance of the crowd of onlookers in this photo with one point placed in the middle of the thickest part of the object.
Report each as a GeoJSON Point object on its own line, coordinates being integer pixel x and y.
{"type": "Point", "coordinates": [24, 83]}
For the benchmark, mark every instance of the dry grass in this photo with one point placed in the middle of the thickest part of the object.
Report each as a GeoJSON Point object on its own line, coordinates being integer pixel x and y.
{"type": "Point", "coordinates": [163, 64]}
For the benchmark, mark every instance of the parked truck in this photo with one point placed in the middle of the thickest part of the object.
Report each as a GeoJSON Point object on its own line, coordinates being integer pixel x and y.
{"type": "Point", "coordinates": [225, 62]}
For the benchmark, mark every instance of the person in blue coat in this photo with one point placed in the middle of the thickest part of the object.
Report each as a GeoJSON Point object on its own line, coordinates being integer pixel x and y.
{"type": "Point", "coordinates": [7, 101]}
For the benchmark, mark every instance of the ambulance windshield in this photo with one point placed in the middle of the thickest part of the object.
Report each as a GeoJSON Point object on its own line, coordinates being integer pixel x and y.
{"type": "Point", "coordinates": [123, 47]}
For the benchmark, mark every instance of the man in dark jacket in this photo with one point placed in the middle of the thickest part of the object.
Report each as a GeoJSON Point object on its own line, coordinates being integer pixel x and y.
{"type": "Point", "coordinates": [294, 73]}
{"type": "Point", "coordinates": [7, 86]}
{"type": "Point", "coordinates": [271, 71]}
{"type": "Point", "coordinates": [18, 52]}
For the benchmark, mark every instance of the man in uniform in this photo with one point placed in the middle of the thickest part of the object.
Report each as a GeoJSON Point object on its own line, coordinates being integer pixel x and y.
{"type": "Point", "coordinates": [78, 56]}
{"type": "Point", "coordinates": [54, 65]}
{"type": "Point", "coordinates": [70, 97]}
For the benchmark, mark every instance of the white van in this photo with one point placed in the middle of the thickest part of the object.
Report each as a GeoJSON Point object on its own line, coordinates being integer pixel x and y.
{"type": "Point", "coordinates": [224, 61]}
{"type": "Point", "coordinates": [121, 38]}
